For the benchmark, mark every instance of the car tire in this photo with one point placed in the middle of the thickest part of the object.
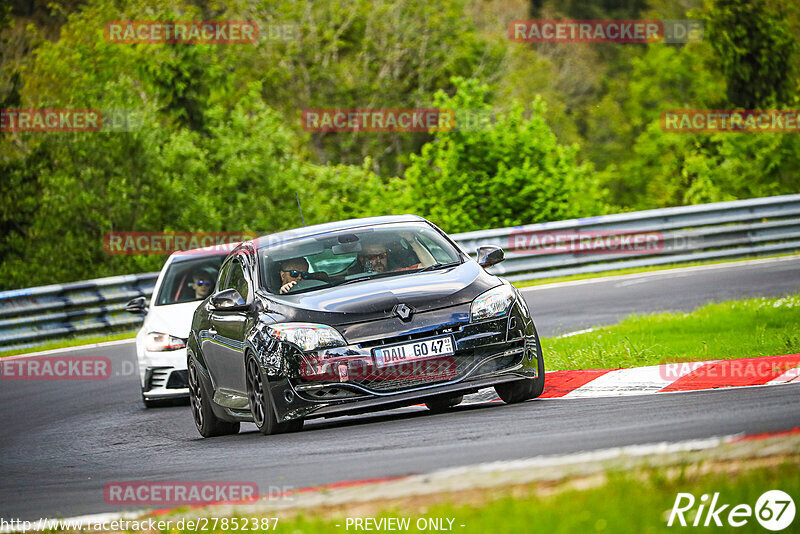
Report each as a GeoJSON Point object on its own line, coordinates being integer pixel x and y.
{"type": "Point", "coordinates": [538, 386]}
{"type": "Point", "coordinates": [442, 404]}
{"type": "Point", "coordinates": [261, 403]}
{"type": "Point", "coordinates": [528, 388]}
{"type": "Point", "coordinates": [517, 391]}
{"type": "Point", "coordinates": [206, 421]}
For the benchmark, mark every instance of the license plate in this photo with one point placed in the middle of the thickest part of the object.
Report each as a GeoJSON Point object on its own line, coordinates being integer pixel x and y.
{"type": "Point", "coordinates": [418, 350]}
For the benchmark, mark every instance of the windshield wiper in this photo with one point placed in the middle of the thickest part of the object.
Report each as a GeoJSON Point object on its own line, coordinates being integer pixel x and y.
{"type": "Point", "coordinates": [436, 266]}
{"type": "Point", "coordinates": [371, 277]}
{"type": "Point", "coordinates": [392, 273]}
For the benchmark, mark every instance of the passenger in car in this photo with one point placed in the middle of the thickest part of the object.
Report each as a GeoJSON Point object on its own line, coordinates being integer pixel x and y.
{"type": "Point", "coordinates": [425, 258]}
{"type": "Point", "coordinates": [373, 258]}
{"type": "Point", "coordinates": [376, 258]}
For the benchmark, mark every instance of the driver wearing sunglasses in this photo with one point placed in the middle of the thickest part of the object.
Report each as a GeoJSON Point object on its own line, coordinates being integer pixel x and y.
{"type": "Point", "coordinates": [292, 271]}
{"type": "Point", "coordinates": [374, 258]}
{"type": "Point", "coordinates": [203, 281]}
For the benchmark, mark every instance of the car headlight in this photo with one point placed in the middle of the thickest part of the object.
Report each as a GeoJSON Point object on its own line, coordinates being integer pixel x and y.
{"type": "Point", "coordinates": [158, 342]}
{"type": "Point", "coordinates": [308, 336]}
{"type": "Point", "coordinates": [493, 303]}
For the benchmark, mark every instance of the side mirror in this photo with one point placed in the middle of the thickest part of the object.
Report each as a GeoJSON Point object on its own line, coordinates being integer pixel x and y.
{"type": "Point", "coordinates": [490, 255]}
{"type": "Point", "coordinates": [228, 300]}
{"type": "Point", "coordinates": [137, 306]}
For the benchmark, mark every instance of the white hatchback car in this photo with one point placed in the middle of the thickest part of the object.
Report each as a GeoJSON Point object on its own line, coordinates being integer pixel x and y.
{"type": "Point", "coordinates": [186, 279]}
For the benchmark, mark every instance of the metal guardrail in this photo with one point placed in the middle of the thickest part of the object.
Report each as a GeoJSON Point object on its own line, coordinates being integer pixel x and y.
{"type": "Point", "coordinates": [754, 227]}
{"type": "Point", "coordinates": [31, 316]}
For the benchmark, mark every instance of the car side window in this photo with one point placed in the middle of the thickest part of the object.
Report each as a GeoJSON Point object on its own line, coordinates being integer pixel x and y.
{"type": "Point", "coordinates": [438, 253]}
{"type": "Point", "coordinates": [237, 279]}
{"type": "Point", "coordinates": [223, 276]}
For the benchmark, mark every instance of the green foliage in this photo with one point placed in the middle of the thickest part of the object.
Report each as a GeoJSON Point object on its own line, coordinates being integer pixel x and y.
{"type": "Point", "coordinates": [335, 192]}
{"type": "Point", "coordinates": [664, 77]}
{"type": "Point", "coordinates": [671, 169]}
{"type": "Point", "coordinates": [503, 171]}
{"type": "Point", "coordinates": [756, 52]}
{"type": "Point", "coordinates": [577, 9]}
{"type": "Point", "coordinates": [644, 167]}
{"type": "Point", "coordinates": [240, 176]}
{"type": "Point", "coordinates": [206, 157]}
{"type": "Point", "coordinates": [220, 145]}
{"type": "Point", "coordinates": [366, 53]}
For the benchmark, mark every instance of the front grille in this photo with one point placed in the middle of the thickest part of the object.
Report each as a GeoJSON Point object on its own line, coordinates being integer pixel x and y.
{"type": "Point", "coordinates": [515, 328]}
{"type": "Point", "coordinates": [178, 380]}
{"type": "Point", "coordinates": [439, 370]}
{"type": "Point", "coordinates": [330, 393]}
{"type": "Point", "coordinates": [408, 337]}
{"type": "Point", "coordinates": [531, 348]}
{"type": "Point", "coordinates": [426, 372]}
{"type": "Point", "coordinates": [158, 377]}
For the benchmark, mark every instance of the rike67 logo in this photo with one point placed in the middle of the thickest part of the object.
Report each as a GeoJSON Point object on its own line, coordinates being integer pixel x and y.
{"type": "Point", "coordinates": [774, 510]}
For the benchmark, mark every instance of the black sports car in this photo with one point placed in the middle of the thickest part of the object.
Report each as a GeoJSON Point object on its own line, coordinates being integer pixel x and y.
{"type": "Point", "coordinates": [355, 316]}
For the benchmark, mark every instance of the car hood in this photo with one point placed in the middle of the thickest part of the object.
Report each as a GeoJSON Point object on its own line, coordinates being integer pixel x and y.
{"type": "Point", "coordinates": [375, 299]}
{"type": "Point", "coordinates": [172, 319]}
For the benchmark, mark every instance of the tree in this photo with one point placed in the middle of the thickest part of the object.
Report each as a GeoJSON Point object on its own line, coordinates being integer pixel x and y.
{"type": "Point", "coordinates": [756, 51]}
{"type": "Point", "coordinates": [505, 170]}
{"type": "Point", "coordinates": [369, 54]}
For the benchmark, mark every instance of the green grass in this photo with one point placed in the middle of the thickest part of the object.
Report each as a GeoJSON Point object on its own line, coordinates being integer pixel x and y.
{"type": "Point", "coordinates": [734, 329]}
{"type": "Point", "coordinates": [638, 501]}
{"type": "Point", "coordinates": [71, 342]}
{"type": "Point", "coordinates": [635, 270]}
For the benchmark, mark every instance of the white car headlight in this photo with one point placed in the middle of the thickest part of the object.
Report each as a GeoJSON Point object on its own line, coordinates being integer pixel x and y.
{"type": "Point", "coordinates": [493, 303]}
{"type": "Point", "coordinates": [308, 336]}
{"type": "Point", "coordinates": [158, 342]}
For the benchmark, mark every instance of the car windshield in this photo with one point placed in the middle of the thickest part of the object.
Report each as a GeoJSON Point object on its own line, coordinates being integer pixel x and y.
{"type": "Point", "coordinates": [350, 256]}
{"type": "Point", "coordinates": [189, 280]}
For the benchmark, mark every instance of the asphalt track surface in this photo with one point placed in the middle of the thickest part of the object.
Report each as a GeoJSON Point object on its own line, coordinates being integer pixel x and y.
{"type": "Point", "coordinates": [62, 441]}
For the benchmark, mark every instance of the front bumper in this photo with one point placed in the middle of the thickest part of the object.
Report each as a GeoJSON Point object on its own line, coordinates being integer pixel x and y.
{"type": "Point", "coordinates": [163, 375]}
{"type": "Point", "coordinates": [487, 353]}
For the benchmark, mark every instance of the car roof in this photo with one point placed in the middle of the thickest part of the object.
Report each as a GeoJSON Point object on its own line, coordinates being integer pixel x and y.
{"type": "Point", "coordinates": [305, 231]}
{"type": "Point", "coordinates": [196, 253]}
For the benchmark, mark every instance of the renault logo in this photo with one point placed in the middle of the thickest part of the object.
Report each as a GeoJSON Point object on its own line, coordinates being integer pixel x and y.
{"type": "Point", "coordinates": [403, 311]}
